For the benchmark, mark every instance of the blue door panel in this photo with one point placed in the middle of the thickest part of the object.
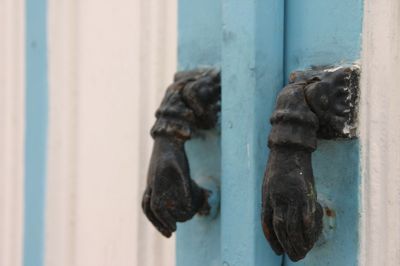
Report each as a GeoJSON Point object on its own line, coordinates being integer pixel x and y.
{"type": "Point", "coordinates": [325, 32]}
{"type": "Point", "coordinates": [252, 74]}
{"type": "Point", "coordinates": [200, 26]}
{"type": "Point", "coordinates": [257, 43]}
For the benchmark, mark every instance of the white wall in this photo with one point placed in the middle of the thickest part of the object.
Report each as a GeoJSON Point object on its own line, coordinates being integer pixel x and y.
{"type": "Point", "coordinates": [109, 64]}
{"type": "Point", "coordinates": [11, 130]}
{"type": "Point", "coordinates": [380, 133]}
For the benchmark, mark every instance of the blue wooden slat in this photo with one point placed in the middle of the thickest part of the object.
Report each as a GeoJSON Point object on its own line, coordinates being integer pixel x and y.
{"type": "Point", "coordinates": [36, 132]}
{"type": "Point", "coordinates": [252, 73]}
{"type": "Point", "coordinates": [199, 33]}
{"type": "Point", "coordinates": [320, 32]}
{"type": "Point", "coordinates": [198, 241]}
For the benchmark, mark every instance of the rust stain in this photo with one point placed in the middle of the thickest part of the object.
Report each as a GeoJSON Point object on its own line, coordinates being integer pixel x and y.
{"type": "Point", "coordinates": [330, 212]}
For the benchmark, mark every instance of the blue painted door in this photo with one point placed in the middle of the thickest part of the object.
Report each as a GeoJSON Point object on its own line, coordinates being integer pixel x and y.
{"type": "Point", "coordinates": [256, 44]}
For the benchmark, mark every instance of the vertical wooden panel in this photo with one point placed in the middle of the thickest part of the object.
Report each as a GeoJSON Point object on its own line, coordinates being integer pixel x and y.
{"type": "Point", "coordinates": [36, 124]}
{"type": "Point", "coordinates": [198, 240]}
{"type": "Point", "coordinates": [252, 73]}
{"type": "Point", "coordinates": [110, 63]}
{"type": "Point", "coordinates": [380, 127]}
{"type": "Point", "coordinates": [156, 36]}
{"type": "Point", "coordinates": [324, 32]}
{"type": "Point", "coordinates": [11, 130]}
{"type": "Point", "coordinates": [63, 134]}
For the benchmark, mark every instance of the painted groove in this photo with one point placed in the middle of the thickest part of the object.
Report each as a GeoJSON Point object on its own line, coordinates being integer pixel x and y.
{"type": "Point", "coordinates": [36, 131]}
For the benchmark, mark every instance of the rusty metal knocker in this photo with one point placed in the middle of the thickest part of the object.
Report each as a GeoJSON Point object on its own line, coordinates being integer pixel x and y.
{"type": "Point", "coordinates": [191, 103]}
{"type": "Point", "coordinates": [317, 103]}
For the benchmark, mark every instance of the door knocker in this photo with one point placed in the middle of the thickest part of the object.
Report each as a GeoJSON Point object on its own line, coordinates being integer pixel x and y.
{"type": "Point", "coordinates": [318, 103]}
{"type": "Point", "coordinates": [191, 103]}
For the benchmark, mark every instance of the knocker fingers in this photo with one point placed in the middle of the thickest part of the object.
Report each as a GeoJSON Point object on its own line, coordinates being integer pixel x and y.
{"type": "Point", "coordinates": [146, 202]}
{"type": "Point", "coordinates": [268, 229]}
{"type": "Point", "coordinates": [279, 223]}
{"type": "Point", "coordinates": [312, 222]}
{"type": "Point", "coordinates": [295, 232]}
{"type": "Point", "coordinates": [162, 214]}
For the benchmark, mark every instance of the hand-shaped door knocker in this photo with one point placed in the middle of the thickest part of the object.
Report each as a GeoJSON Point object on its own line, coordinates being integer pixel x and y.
{"type": "Point", "coordinates": [321, 103]}
{"type": "Point", "coordinates": [192, 102]}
